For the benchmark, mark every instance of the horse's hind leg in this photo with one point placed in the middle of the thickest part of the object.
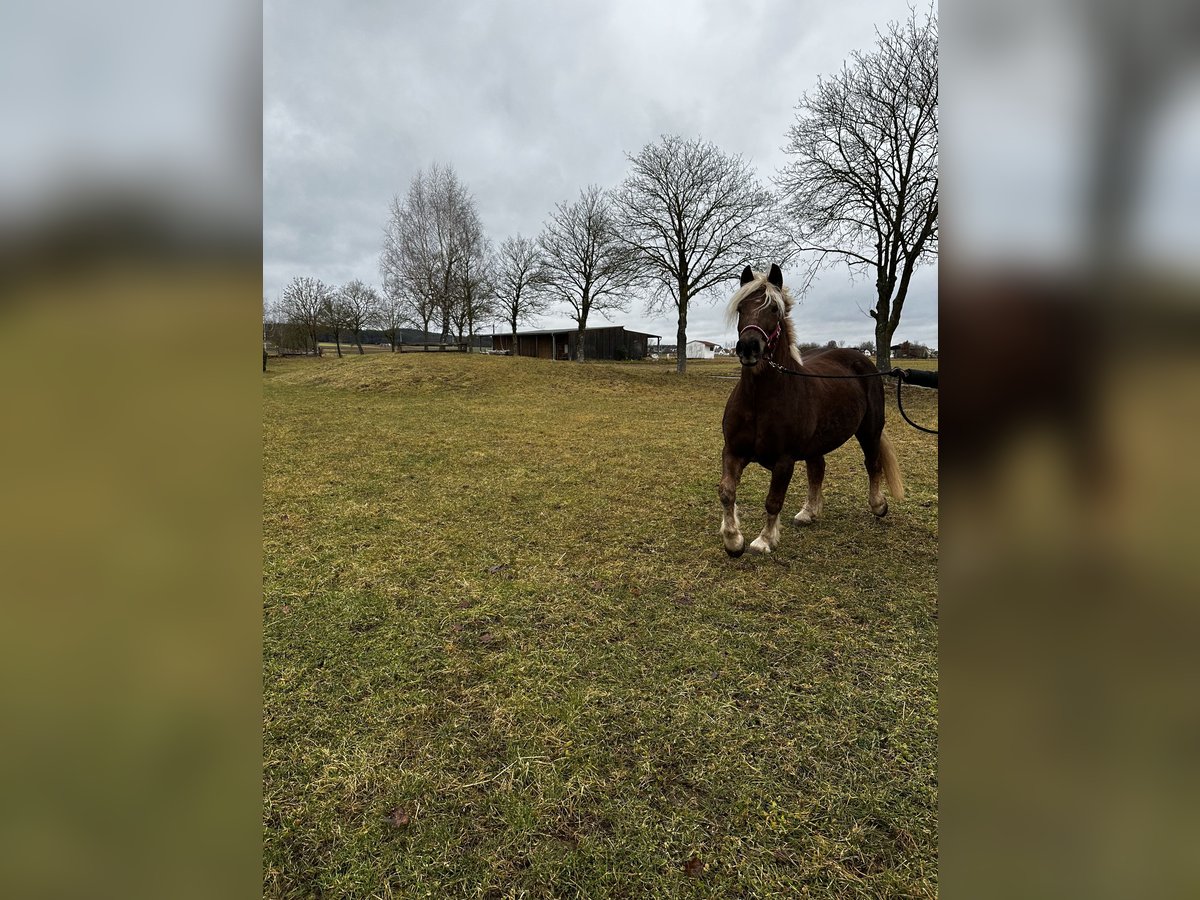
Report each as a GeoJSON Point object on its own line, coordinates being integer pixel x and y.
{"type": "Point", "coordinates": [781, 477]}
{"type": "Point", "coordinates": [873, 460]}
{"type": "Point", "coordinates": [812, 505]}
{"type": "Point", "coordinates": [731, 528]}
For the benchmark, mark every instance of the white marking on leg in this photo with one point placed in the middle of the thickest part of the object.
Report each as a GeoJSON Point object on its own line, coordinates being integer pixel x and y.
{"type": "Point", "coordinates": [811, 511]}
{"type": "Point", "coordinates": [769, 539]}
{"type": "Point", "coordinates": [731, 531]}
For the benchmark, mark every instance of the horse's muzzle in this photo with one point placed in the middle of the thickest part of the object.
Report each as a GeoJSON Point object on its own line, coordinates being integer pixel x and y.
{"type": "Point", "coordinates": [749, 350]}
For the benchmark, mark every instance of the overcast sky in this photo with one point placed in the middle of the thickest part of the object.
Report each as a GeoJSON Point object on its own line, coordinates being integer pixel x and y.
{"type": "Point", "coordinates": [531, 101]}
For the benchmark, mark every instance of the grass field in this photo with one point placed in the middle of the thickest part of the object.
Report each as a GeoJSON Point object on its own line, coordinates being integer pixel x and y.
{"type": "Point", "coordinates": [506, 656]}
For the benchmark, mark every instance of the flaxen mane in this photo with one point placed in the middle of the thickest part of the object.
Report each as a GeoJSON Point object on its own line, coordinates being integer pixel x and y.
{"type": "Point", "coordinates": [780, 297]}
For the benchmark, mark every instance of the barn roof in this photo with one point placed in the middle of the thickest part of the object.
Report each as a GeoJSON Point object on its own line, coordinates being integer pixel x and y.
{"type": "Point", "coordinates": [569, 330]}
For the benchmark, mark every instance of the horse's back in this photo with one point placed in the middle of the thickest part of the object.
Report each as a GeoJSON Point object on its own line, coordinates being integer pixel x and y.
{"type": "Point", "coordinates": [837, 361]}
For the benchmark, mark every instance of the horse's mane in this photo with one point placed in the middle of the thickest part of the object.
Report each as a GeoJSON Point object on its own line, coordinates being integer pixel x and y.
{"type": "Point", "coordinates": [782, 300]}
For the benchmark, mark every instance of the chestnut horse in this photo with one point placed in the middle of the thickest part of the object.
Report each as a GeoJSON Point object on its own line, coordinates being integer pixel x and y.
{"type": "Point", "coordinates": [776, 419]}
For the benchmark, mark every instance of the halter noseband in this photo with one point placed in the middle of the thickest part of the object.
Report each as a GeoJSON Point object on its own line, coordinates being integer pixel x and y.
{"type": "Point", "coordinates": [770, 338]}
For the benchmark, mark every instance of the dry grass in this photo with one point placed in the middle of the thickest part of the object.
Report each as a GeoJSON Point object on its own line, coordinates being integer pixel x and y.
{"type": "Point", "coordinates": [495, 600]}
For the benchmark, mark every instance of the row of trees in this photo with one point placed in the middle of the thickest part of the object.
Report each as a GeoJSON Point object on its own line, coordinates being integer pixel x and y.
{"type": "Point", "coordinates": [687, 219]}
{"type": "Point", "coordinates": [593, 252]}
{"type": "Point", "coordinates": [309, 307]}
{"type": "Point", "coordinates": [903, 350]}
{"type": "Point", "coordinates": [862, 189]}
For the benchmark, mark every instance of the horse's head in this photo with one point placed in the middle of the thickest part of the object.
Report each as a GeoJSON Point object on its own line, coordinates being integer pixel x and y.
{"type": "Point", "coordinates": [761, 307]}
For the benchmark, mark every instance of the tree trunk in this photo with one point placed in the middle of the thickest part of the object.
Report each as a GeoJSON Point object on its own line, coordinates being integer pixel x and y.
{"type": "Point", "coordinates": [681, 333]}
{"type": "Point", "coordinates": [897, 303]}
{"type": "Point", "coordinates": [513, 322]}
{"type": "Point", "coordinates": [393, 340]}
{"type": "Point", "coordinates": [884, 326]}
{"type": "Point", "coordinates": [580, 353]}
{"type": "Point", "coordinates": [584, 307]}
{"type": "Point", "coordinates": [358, 341]}
{"type": "Point", "coordinates": [883, 345]}
{"type": "Point", "coordinates": [337, 340]}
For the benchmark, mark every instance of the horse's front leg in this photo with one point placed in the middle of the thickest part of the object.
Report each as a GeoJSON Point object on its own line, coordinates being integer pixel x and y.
{"type": "Point", "coordinates": [731, 528]}
{"type": "Point", "coordinates": [812, 506]}
{"type": "Point", "coordinates": [781, 477]}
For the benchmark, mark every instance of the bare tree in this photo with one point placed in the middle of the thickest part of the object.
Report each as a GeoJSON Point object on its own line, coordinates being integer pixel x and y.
{"type": "Point", "coordinates": [280, 330]}
{"type": "Point", "coordinates": [334, 316]}
{"type": "Point", "coordinates": [408, 262]}
{"type": "Point", "coordinates": [460, 234]}
{"type": "Point", "coordinates": [429, 235]}
{"type": "Point", "coordinates": [693, 217]}
{"type": "Point", "coordinates": [303, 303]}
{"type": "Point", "coordinates": [395, 311]}
{"type": "Point", "coordinates": [586, 264]}
{"type": "Point", "coordinates": [474, 288]}
{"type": "Point", "coordinates": [270, 327]}
{"type": "Point", "coordinates": [360, 308]}
{"type": "Point", "coordinates": [863, 188]}
{"type": "Point", "coordinates": [273, 322]}
{"type": "Point", "coordinates": [521, 282]}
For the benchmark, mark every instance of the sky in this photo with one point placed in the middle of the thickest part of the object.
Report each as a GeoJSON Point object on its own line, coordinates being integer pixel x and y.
{"type": "Point", "coordinates": [530, 102]}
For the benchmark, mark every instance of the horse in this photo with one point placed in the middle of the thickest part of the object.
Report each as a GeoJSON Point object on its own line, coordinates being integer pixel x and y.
{"type": "Point", "coordinates": [776, 419]}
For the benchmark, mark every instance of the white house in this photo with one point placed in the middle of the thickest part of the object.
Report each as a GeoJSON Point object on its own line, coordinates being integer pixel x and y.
{"type": "Point", "coordinates": [701, 349]}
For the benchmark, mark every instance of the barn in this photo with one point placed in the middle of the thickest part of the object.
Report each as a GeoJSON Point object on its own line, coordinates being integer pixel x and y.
{"type": "Point", "coordinates": [608, 342]}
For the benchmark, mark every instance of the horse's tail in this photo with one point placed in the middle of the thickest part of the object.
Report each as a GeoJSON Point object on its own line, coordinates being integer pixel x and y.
{"type": "Point", "coordinates": [891, 470]}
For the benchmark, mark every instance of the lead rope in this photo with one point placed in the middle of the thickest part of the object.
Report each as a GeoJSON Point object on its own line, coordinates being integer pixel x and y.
{"type": "Point", "coordinates": [899, 375]}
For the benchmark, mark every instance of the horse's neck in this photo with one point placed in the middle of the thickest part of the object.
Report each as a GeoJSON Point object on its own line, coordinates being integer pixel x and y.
{"type": "Point", "coordinates": [767, 380]}
{"type": "Point", "coordinates": [782, 354]}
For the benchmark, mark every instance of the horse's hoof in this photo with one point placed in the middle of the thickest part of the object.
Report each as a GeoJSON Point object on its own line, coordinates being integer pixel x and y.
{"type": "Point", "coordinates": [804, 517]}
{"type": "Point", "coordinates": [739, 551]}
{"type": "Point", "coordinates": [758, 545]}
{"type": "Point", "coordinates": [881, 512]}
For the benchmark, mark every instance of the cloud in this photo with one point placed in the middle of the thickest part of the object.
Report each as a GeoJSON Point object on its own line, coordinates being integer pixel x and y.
{"type": "Point", "coordinates": [530, 102]}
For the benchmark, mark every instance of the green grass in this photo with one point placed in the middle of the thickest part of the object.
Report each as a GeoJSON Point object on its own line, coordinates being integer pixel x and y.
{"type": "Point", "coordinates": [495, 598]}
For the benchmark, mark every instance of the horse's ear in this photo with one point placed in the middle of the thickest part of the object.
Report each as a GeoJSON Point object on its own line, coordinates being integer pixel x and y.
{"type": "Point", "coordinates": [747, 275]}
{"type": "Point", "coordinates": [775, 276]}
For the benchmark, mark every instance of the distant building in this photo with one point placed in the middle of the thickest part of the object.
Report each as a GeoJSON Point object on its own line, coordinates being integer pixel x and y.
{"type": "Point", "coordinates": [910, 350]}
{"type": "Point", "coordinates": [702, 349]}
{"type": "Point", "coordinates": [607, 342]}
{"type": "Point", "coordinates": [411, 336]}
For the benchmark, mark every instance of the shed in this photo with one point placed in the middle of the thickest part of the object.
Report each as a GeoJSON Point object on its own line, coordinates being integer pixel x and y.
{"type": "Point", "coordinates": [607, 342]}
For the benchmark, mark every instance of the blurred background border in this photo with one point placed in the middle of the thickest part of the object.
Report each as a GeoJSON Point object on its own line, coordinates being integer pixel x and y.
{"type": "Point", "coordinates": [130, 296]}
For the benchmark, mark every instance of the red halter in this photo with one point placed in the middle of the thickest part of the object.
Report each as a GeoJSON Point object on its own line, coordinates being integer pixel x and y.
{"type": "Point", "coordinates": [770, 338]}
